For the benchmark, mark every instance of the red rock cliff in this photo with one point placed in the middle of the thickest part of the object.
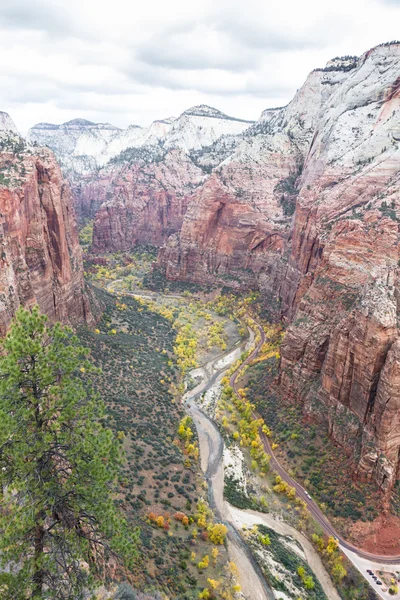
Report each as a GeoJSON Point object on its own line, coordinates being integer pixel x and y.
{"type": "Point", "coordinates": [341, 288]}
{"type": "Point", "coordinates": [41, 260]}
{"type": "Point", "coordinates": [139, 203]}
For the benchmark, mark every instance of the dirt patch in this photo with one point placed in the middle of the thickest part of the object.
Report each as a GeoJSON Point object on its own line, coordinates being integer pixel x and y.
{"type": "Point", "coordinates": [381, 536]}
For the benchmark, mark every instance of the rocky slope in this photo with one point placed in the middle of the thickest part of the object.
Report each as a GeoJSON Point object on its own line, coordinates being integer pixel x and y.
{"type": "Point", "coordinates": [332, 158]}
{"type": "Point", "coordinates": [144, 177]}
{"type": "Point", "coordinates": [7, 125]}
{"type": "Point", "coordinates": [237, 227]}
{"type": "Point", "coordinates": [41, 260]}
{"type": "Point", "coordinates": [341, 286]}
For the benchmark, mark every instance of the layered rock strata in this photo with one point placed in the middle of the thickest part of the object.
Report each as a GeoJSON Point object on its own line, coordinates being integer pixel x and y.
{"type": "Point", "coordinates": [140, 202]}
{"type": "Point", "coordinates": [341, 288]}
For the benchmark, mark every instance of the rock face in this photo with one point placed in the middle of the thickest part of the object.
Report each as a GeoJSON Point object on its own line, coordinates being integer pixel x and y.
{"type": "Point", "coordinates": [303, 204]}
{"type": "Point", "coordinates": [149, 201]}
{"type": "Point", "coordinates": [236, 229]}
{"type": "Point", "coordinates": [7, 124]}
{"type": "Point", "coordinates": [41, 260]}
{"type": "Point", "coordinates": [75, 143]}
{"type": "Point", "coordinates": [143, 176]}
{"type": "Point", "coordinates": [341, 288]}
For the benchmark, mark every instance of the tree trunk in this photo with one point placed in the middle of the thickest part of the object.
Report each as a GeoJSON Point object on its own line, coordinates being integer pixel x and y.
{"type": "Point", "coordinates": [38, 575]}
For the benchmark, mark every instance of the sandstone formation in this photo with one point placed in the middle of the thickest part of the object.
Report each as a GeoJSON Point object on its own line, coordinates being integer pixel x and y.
{"type": "Point", "coordinates": [7, 124]}
{"type": "Point", "coordinates": [41, 260]}
{"type": "Point", "coordinates": [341, 287]}
{"type": "Point", "coordinates": [148, 201]}
{"type": "Point", "coordinates": [237, 228]}
{"type": "Point", "coordinates": [82, 146]}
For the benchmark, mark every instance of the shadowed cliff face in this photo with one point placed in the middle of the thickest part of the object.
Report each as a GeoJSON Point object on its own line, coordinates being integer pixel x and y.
{"type": "Point", "coordinates": [140, 203]}
{"type": "Point", "coordinates": [41, 260]}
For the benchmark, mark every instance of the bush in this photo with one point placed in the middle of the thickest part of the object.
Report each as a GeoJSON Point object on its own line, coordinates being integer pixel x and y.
{"type": "Point", "coordinates": [125, 592]}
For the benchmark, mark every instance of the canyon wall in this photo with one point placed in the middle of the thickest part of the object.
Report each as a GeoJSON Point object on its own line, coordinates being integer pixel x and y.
{"type": "Point", "coordinates": [238, 226]}
{"type": "Point", "coordinates": [142, 202]}
{"type": "Point", "coordinates": [41, 260]}
{"type": "Point", "coordinates": [341, 288]}
{"type": "Point", "coordinates": [143, 176]}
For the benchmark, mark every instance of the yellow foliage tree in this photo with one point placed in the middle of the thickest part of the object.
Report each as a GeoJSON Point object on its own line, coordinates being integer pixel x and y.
{"type": "Point", "coordinates": [217, 533]}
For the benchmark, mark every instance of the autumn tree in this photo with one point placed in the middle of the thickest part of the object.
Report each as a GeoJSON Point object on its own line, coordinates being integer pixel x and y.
{"type": "Point", "coordinates": [58, 467]}
{"type": "Point", "coordinates": [217, 533]}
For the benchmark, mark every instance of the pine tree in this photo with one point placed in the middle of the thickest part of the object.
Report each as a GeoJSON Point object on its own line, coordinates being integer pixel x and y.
{"type": "Point", "coordinates": [59, 525]}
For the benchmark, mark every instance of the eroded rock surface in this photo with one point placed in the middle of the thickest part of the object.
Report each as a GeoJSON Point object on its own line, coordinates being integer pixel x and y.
{"type": "Point", "coordinates": [140, 202]}
{"type": "Point", "coordinates": [340, 292]}
{"type": "Point", "coordinates": [303, 204]}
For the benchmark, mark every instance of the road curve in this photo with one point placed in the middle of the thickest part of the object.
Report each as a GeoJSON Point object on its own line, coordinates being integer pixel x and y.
{"type": "Point", "coordinates": [313, 508]}
{"type": "Point", "coordinates": [211, 447]}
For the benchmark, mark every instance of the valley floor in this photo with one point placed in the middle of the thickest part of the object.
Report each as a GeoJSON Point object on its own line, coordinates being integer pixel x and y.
{"type": "Point", "coordinates": [195, 309]}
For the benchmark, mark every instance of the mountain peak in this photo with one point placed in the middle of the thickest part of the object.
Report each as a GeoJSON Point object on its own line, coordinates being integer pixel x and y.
{"type": "Point", "coordinates": [78, 123]}
{"type": "Point", "coordinates": [6, 123]}
{"type": "Point", "coordinates": [203, 110]}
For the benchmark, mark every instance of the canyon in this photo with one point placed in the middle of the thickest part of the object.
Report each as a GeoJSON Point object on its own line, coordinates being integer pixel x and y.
{"type": "Point", "coordinates": [302, 204]}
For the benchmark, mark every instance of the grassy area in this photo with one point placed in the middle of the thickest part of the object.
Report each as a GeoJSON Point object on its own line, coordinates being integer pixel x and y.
{"type": "Point", "coordinates": [86, 235]}
{"type": "Point", "coordinates": [156, 280]}
{"type": "Point", "coordinates": [134, 348]}
{"type": "Point", "coordinates": [130, 267]}
{"type": "Point", "coordinates": [236, 496]}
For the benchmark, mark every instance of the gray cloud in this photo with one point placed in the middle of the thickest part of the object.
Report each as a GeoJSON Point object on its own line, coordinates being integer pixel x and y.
{"type": "Point", "coordinates": [131, 62]}
{"type": "Point", "coordinates": [242, 43]}
{"type": "Point", "coordinates": [40, 15]}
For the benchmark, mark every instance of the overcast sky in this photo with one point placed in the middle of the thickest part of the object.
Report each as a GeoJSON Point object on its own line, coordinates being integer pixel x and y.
{"type": "Point", "coordinates": [125, 61]}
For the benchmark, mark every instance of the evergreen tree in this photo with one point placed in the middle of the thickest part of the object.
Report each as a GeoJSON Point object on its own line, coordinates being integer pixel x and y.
{"type": "Point", "coordinates": [59, 525]}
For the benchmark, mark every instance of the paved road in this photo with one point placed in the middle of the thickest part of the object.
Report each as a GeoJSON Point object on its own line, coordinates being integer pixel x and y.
{"type": "Point", "coordinates": [313, 508]}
